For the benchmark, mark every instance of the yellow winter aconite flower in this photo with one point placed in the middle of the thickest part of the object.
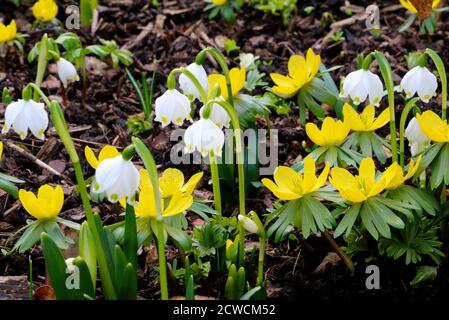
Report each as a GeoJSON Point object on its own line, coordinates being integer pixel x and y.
{"type": "Point", "coordinates": [9, 32]}
{"type": "Point", "coordinates": [172, 182]}
{"type": "Point", "coordinates": [47, 204]}
{"type": "Point", "coordinates": [396, 174]}
{"type": "Point", "coordinates": [332, 132]}
{"type": "Point", "coordinates": [365, 121]}
{"type": "Point", "coordinates": [360, 187]}
{"type": "Point", "coordinates": [237, 77]}
{"type": "Point", "coordinates": [407, 4]}
{"type": "Point", "coordinates": [219, 2]}
{"type": "Point", "coordinates": [1, 149]}
{"type": "Point", "coordinates": [433, 126]}
{"type": "Point", "coordinates": [106, 152]}
{"type": "Point", "coordinates": [45, 10]}
{"type": "Point", "coordinates": [176, 196]}
{"type": "Point", "coordinates": [290, 185]}
{"type": "Point", "coordinates": [300, 71]}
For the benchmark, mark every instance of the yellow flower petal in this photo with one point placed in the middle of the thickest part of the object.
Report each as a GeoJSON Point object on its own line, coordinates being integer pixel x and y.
{"type": "Point", "coordinates": [108, 152]}
{"type": "Point", "coordinates": [8, 33]}
{"type": "Point", "coordinates": [1, 149]}
{"type": "Point", "coordinates": [367, 172]}
{"type": "Point", "coordinates": [310, 179]}
{"type": "Point", "coordinates": [191, 184]}
{"type": "Point", "coordinates": [219, 79]}
{"type": "Point", "coordinates": [342, 179]}
{"type": "Point", "coordinates": [352, 118]}
{"type": "Point", "coordinates": [323, 177]}
{"type": "Point", "coordinates": [171, 182]}
{"type": "Point", "coordinates": [315, 135]}
{"type": "Point", "coordinates": [45, 10]}
{"type": "Point", "coordinates": [90, 157]}
{"type": "Point", "coordinates": [297, 67]}
{"type": "Point", "coordinates": [282, 81]}
{"type": "Point", "coordinates": [238, 78]}
{"type": "Point", "coordinates": [381, 120]}
{"type": "Point", "coordinates": [281, 194]}
{"type": "Point", "coordinates": [48, 203]}
{"type": "Point", "coordinates": [409, 6]}
{"type": "Point", "coordinates": [433, 126]}
{"type": "Point", "coordinates": [178, 204]}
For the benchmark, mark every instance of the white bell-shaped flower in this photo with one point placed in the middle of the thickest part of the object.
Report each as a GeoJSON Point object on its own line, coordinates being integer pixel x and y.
{"type": "Point", "coordinates": [417, 139]}
{"type": "Point", "coordinates": [187, 86]}
{"type": "Point", "coordinates": [419, 80]}
{"type": "Point", "coordinates": [117, 178]}
{"type": "Point", "coordinates": [361, 84]}
{"type": "Point", "coordinates": [172, 106]}
{"type": "Point", "coordinates": [218, 115]}
{"type": "Point", "coordinates": [246, 60]}
{"type": "Point", "coordinates": [248, 224]}
{"type": "Point", "coordinates": [26, 114]}
{"type": "Point", "coordinates": [204, 136]}
{"type": "Point", "coordinates": [66, 72]}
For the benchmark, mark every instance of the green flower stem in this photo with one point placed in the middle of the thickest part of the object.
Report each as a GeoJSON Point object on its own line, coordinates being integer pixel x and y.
{"type": "Point", "coordinates": [218, 56]}
{"type": "Point", "coordinates": [443, 78]}
{"type": "Point", "coordinates": [171, 83]}
{"type": "Point", "coordinates": [39, 93]}
{"type": "Point", "coordinates": [260, 274]}
{"type": "Point", "coordinates": [150, 165]}
{"type": "Point", "coordinates": [347, 261]}
{"type": "Point", "coordinates": [385, 69]}
{"type": "Point", "coordinates": [61, 127]}
{"type": "Point", "coordinates": [41, 64]}
{"type": "Point", "coordinates": [162, 260]}
{"type": "Point", "coordinates": [241, 171]}
{"type": "Point", "coordinates": [238, 150]}
{"type": "Point", "coordinates": [409, 106]}
{"type": "Point", "coordinates": [215, 182]}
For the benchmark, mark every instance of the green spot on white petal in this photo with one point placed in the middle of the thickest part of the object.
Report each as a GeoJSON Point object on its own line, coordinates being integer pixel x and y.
{"type": "Point", "coordinates": [22, 134]}
{"type": "Point", "coordinates": [356, 99]}
{"type": "Point", "coordinates": [376, 100]}
{"type": "Point", "coordinates": [96, 186]}
{"type": "Point", "coordinates": [179, 120]}
{"type": "Point", "coordinates": [41, 133]}
{"type": "Point", "coordinates": [164, 120]}
{"type": "Point", "coordinates": [426, 97]}
{"type": "Point", "coordinates": [114, 197]}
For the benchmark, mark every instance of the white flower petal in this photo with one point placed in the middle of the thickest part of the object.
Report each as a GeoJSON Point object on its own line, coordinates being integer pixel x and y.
{"type": "Point", "coordinates": [187, 86]}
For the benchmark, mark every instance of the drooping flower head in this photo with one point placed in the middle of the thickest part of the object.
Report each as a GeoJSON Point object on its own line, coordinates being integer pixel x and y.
{"type": "Point", "coordinates": [362, 84]}
{"type": "Point", "coordinates": [290, 185]}
{"type": "Point", "coordinates": [433, 126]}
{"type": "Point", "coordinates": [395, 174]}
{"type": "Point", "coordinates": [332, 132]}
{"type": "Point", "coordinates": [106, 152]}
{"type": "Point", "coordinates": [26, 114]}
{"type": "Point", "coordinates": [300, 71]}
{"type": "Point", "coordinates": [48, 203]}
{"type": "Point", "coordinates": [416, 138]}
{"type": "Point", "coordinates": [66, 72]}
{"type": "Point", "coordinates": [218, 115]}
{"type": "Point", "coordinates": [8, 33]}
{"type": "Point", "coordinates": [204, 136]}
{"type": "Point", "coordinates": [187, 86]}
{"type": "Point", "coordinates": [237, 77]}
{"type": "Point", "coordinates": [172, 106]}
{"type": "Point", "coordinates": [358, 188]}
{"type": "Point", "coordinates": [117, 178]}
{"type": "Point", "coordinates": [45, 10]}
{"type": "Point", "coordinates": [419, 80]}
{"type": "Point", "coordinates": [366, 121]}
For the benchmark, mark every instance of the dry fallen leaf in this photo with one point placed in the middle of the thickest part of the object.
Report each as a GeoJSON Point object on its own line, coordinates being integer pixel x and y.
{"type": "Point", "coordinates": [424, 8]}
